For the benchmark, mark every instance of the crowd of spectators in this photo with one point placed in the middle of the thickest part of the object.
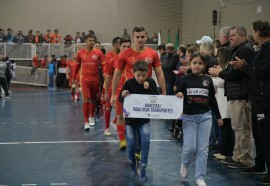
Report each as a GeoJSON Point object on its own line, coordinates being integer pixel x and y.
{"type": "Point", "coordinates": [39, 37]}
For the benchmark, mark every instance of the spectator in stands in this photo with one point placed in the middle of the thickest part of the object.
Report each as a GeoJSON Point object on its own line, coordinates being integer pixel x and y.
{"type": "Point", "coordinates": [52, 71]}
{"type": "Point", "coordinates": [56, 38]}
{"type": "Point", "coordinates": [83, 36]}
{"type": "Point", "coordinates": [224, 35]}
{"type": "Point", "coordinates": [91, 32]}
{"type": "Point", "coordinates": [68, 40]}
{"type": "Point", "coordinates": [161, 50]}
{"type": "Point", "coordinates": [39, 38]}
{"type": "Point", "coordinates": [30, 38]}
{"type": "Point", "coordinates": [154, 38]}
{"type": "Point", "coordinates": [44, 62]}
{"type": "Point", "coordinates": [48, 37]}
{"type": "Point", "coordinates": [169, 62]}
{"type": "Point", "coordinates": [3, 82]}
{"type": "Point", "coordinates": [35, 63]}
{"type": "Point", "coordinates": [10, 36]}
{"type": "Point", "coordinates": [78, 38]}
{"type": "Point", "coordinates": [61, 75]}
{"type": "Point", "coordinates": [181, 51]}
{"type": "Point", "coordinates": [148, 39]}
{"type": "Point", "coordinates": [237, 92]}
{"type": "Point", "coordinates": [126, 34]}
{"type": "Point", "coordinates": [8, 70]}
{"type": "Point", "coordinates": [3, 37]}
{"type": "Point", "coordinates": [13, 67]}
{"type": "Point", "coordinates": [20, 37]}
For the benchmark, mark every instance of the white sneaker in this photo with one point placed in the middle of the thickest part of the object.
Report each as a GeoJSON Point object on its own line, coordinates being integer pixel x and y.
{"type": "Point", "coordinates": [217, 154]}
{"type": "Point", "coordinates": [221, 157]}
{"type": "Point", "coordinates": [86, 127]}
{"type": "Point", "coordinates": [183, 171]}
{"type": "Point", "coordinates": [200, 182]}
{"type": "Point", "coordinates": [107, 132]}
{"type": "Point", "coordinates": [92, 121]}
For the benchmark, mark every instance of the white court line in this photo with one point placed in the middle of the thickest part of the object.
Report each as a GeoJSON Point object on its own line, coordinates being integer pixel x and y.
{"type": "Point", "coordinates": [58, 183]}
{"type": "Point", "coordinates": [30, 184]}
{"type": "Point", "coordinates": [63, 142]}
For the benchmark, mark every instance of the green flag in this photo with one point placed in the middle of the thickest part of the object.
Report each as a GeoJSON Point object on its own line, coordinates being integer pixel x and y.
{"type": "Point", "coordinates": [169, 36]}
{"type": "Point", "coordinates": [176, 43]}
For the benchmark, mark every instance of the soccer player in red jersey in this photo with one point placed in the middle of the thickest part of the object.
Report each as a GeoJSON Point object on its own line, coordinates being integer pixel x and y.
{"type": "Point", "coordinates": [124, 45]}
{"type": "Point", "coordinates": [88, 61]}
{"type": "Point", "coordinates": [35, 63]}
{"type": "Point", "coordinates": [125, 63]}
{"type": "Point", "coordinates": [44, 62]}
{"type": "Point", "coordinates": [107, 83]}
{"type": "Point", "coordinates": [74, 84]}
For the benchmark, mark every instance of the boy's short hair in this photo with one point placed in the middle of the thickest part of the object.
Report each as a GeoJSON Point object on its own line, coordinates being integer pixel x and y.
{"type": "Point", "coordinates": [141, 66]}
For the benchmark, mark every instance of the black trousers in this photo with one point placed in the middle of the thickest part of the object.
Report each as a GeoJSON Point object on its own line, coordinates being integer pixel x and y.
{"type": "Point", "coordinates": [260, 154]}
{"type": "Point", "coordinates": [3, 83]}
{"type": "Point", "coordinates": [227, 141]}
{"type": "Point", "coordinates": [264, 133]}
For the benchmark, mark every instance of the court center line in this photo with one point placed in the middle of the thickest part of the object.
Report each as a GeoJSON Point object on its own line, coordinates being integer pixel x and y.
{"type": "Point", "coordinates": [63, 142]}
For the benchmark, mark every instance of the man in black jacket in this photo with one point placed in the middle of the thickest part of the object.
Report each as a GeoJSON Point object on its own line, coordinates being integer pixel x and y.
{"type": "Point", "coordinates": [259, 74]}
{"type": "Point", "coordinates": [169, 62]}
{"type": "Point", "coordinates": [237, 92]}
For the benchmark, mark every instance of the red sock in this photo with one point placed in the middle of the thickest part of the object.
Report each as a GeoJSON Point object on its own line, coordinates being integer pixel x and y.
{"type": "Point", "coordinates": [121, 131]}
{"type": "Point", "coordinates": [92, 109]}
{"type": "Point", "coordinates": [107, 118]}
{"type": "Point", "coordinates": [86, 112]}
{"type": "Point", "coordinates": [114, 120]}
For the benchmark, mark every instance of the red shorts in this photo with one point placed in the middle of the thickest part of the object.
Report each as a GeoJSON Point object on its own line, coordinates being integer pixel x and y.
{"type": "Point", "coordinates": [76, 78]}
{"type": "Point", "coordinates": [90, 90]}
{"type": "Point", "coordinates": [119, 106]}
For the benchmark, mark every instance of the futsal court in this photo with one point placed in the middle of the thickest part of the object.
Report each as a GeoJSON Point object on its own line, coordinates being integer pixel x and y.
{"type": "Point", "coordinates": [42, 142]}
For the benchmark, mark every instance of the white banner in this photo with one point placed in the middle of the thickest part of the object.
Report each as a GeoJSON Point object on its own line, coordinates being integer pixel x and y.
{"type": "Point", "coordinates": [153, 106]}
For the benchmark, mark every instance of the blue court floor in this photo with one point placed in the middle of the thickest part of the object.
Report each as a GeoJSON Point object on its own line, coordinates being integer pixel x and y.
{"type": "Point", "coordinates": [42, 142]}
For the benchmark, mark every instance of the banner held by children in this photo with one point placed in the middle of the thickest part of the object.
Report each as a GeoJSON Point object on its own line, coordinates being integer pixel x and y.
{"type": "Point", "coordinates": [153, 106]}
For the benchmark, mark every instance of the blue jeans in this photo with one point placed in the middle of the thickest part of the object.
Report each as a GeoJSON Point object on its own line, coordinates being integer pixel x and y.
{"type": "Point", "coordinates": [169, 89]}
{"type": "Point", "coordinates": [51, 80]}
{"type": "Point", "coordinates": [196, 129]}
{"type": "Point", "coordinates": [215, 134]}
{"type": "Point", "coordinates": [145, 142]}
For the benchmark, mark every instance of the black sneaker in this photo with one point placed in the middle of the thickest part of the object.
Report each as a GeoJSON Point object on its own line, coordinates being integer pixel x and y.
{"type": "Point", "coordinates": [254, 170]}
{"type": "Point", "coordinates": [229, 161]}
{"type": "Point", "coordinates": [238, 165]}
{"type": "Point", "coordinates": [265, 180]}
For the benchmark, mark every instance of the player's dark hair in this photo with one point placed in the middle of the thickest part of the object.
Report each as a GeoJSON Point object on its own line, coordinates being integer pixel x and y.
{"type": "Point", "coordinates": [124, 40]}
{"type": "Point", "coordinates": [89, 35]}
{"type": "Point", "coordinates": [138, 29]}
{"type": "Point", "coordinates": [141, 66]}
{"type": "Point", "coordinates": [115, 40]}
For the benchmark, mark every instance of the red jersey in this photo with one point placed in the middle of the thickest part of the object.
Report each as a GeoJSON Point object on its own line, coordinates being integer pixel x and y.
{"type": "Point", "coordinates": [63, 63]}
{"type": "Point", "coordinates": [71, 65]}
{"type": "Point", "coordinates": [110, 59]}
{"type": "Point", "coordinates": [43, 63]}
{"type": "Point", "coordinates": [35, 60]}
{"type": "Point", "coordinates": [88, 61]}
{"type": "Point", "coordinates": [128, 57]}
